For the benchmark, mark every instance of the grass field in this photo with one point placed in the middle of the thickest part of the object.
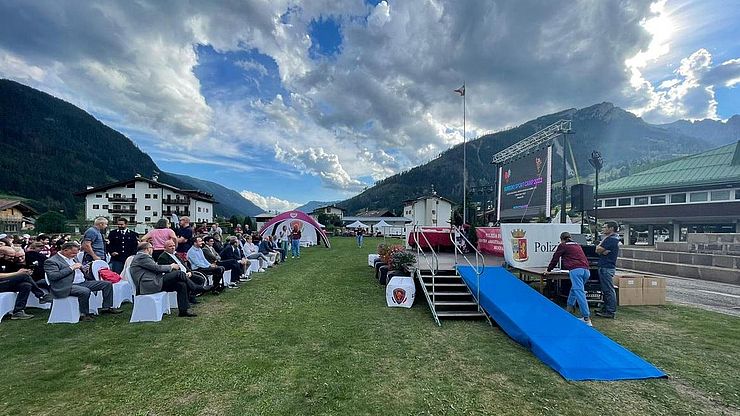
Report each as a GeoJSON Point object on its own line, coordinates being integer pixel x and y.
{"type": "Point", "coordinates": [313, 336]}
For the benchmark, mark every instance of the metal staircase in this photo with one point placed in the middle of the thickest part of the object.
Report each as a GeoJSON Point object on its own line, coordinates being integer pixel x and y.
{"type": "Point", "coordinates": [447, 294]}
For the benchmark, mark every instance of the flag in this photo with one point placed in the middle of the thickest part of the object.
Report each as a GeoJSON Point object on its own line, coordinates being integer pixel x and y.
{"type": "Point", "coordinates": [558, 147]}
{"type": "Point", "coordinates": [461, 91]}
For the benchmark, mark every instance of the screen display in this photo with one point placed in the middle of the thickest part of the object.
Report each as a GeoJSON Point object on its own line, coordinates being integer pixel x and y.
{"type": "Point", "coordinates": [524, 186]}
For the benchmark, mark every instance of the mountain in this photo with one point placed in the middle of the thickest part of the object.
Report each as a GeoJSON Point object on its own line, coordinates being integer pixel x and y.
{"type": "Point", "coordinates": [623, 139]}
{"type": "Point", "coordinates": [309, 206]}
{"type": "Point", "coordinates": [230, 202]}
{"type": "Point", "coordinates": [52, 149]}
{"type": "Point", "coordinates": [715, 131]}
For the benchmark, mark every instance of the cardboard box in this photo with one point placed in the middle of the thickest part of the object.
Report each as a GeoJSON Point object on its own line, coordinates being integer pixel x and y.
{"type": "Point", "coordinates": [629, 290]}
{"type": "Point", "coordinates": [653, 290]}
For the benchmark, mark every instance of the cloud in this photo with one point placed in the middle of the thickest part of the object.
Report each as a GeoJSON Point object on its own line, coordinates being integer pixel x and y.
{"type": "Point", "coordinates": [319, 162]}
{"type": "Point", "coordinates": [691, 93]}
{"type": "Point", "coordinates": [383, 103]}
{"type": "Point", "coordinates": [269, 203]}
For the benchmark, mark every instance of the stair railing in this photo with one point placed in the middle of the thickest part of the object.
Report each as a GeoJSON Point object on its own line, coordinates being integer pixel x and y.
{"type": "Point", "coordinates": [479, 260]}
{"type": "Point", "coordinates": [433, 265]}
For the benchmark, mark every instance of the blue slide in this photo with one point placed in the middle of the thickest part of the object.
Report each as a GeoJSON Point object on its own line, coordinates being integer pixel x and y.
{"type": "Point", "coordinates": [573, 349]}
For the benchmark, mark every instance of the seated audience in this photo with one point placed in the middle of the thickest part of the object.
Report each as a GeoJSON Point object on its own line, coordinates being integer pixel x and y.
{"type": "Point", "coordinates": [199, 263]}
{"type": "Point", "coordinates": [233, 255]}
{"type": "Point", "coordinates": [265, 249]}
{"type": "Point", "coordinates": [252, 252]}
{"type": "Point", "coordinates": [196, 281]}
{"type": "Point", "coordinates": [67, 277]}
{"type": "Point", "coordinates": [150, 277]}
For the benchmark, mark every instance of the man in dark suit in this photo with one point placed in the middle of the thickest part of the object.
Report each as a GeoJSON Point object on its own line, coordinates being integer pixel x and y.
{"type": "Point", "coordinates": [196, 281]}
{"type": "Point", "coordinates": [231, 257]}
{"type": "Point", "coordinates": [150, 277]}
{"type": "Point", "coordinates": [67, 277]}
{"type": "Point", "coordinates": [122, 243]}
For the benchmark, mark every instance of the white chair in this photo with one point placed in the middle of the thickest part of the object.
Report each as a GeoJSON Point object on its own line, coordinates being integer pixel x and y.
{"type": "Point", "coordinates": [172, 299]}
{"type": "Point", "coordinates": [371, 259]}
{"type": "Point", "coordinates": [7, 303]}
{"type": "Point", "coordinates": [64, 310]}
{"type": "Point", "coordinates": [254, 265]}
{"type": "Point", "coordinates": [33, 302]}
{"type": "Point", "coordinates": [150, 308]}
{"type": "Point", "coordinates": [122, 291]}
{"type": "Point", "coordinates": [227, 278]}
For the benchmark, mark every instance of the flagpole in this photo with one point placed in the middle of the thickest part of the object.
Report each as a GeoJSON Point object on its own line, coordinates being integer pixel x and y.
{"type": "Point", "coordinates": [465, 164]}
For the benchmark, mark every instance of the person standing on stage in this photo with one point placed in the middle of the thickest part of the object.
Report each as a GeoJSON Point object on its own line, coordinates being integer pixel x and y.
{"type": "Point", "coordinates": [575, 261]}
{"type": "Point", "coordinates": [608, 251]}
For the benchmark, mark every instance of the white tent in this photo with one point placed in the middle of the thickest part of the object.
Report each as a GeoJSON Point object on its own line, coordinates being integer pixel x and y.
{"type": "Point", "coordinates": [382, 225]}
{"type": "Point", "coordinates": [357, 224]}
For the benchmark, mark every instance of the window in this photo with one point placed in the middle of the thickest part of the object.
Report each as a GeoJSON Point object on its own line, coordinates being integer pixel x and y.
{"type": "Point", "coordinates": [116, 206]}
{"type": "Point", "coordinates": [133, 196]}
{"type": "Point", "coordinates": [610, 203]}
{"type": "Point", "coordinates": [96, 206]}
{"type": "Point", "coordinates": [678, 198]}
{"type": "Point", "coordinates": [641, 200]}
{"type": "Point", "coordinates": [623, 202]}
{"type": "Point", "coordinates": [147, 219]}
{"type": "Point", "coordinates": [105, 206]}
{"type": "Point", "coordinates": [698, 196]}
{"type": "Point", "coordinates": [657, 199]}
{"type": "Point", "coordinates": [106, 195]}
{"type": "Point", "coordinates": [206, 209]}
{"type": "Point", "coordinates": [598, 203]}
{"type": "Point", "coordinates": [151, 185]}
{"type": "Point", "coordinates": [199, 209]}
{"type": "Point", "coordinates": [147, 196]}
{"type": "Point", "coordinates": [132, 220]}
{"type": "Point", "coordinates": [720, 195]}
{"type": "Point", "coordinates": [98, 196]}
{"type": "Point", "coordinates": [148, 207]}
{"type": "Point", "coordinates": [154, 214]}
{"type": "Point", "coordinates": [737, 193]}
{"type": "Point", "coordinates": [154, 196]}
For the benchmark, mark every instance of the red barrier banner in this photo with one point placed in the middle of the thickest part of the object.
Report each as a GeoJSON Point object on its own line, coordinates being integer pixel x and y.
{"type": "Point", "coordinates": [490, 241]}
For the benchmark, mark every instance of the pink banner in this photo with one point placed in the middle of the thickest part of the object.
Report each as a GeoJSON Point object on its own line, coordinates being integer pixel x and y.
{"type": "Point", "coordinates": [490, 241]}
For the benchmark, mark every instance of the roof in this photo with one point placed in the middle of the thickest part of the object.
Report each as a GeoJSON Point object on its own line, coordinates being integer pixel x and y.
{"type": "Point", "coordinates": [196, 194]}
{"type": "Point", "coordinates": [375, 213]}
{"type": "Point", "coordinates": [715, 167]}
{"type": "Point", "coordinates": [13, 203]}
{"type": "Point", "coordinates": [328, 206]}
{"type": "Point", "coordinates": [406, 202]}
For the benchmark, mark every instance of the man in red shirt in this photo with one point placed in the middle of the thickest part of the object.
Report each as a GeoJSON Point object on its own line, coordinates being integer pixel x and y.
{"type": "Point", "coordinates": [575, 261]}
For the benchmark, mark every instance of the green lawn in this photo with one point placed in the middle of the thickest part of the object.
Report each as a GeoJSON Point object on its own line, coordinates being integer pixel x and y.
{"type": "Point", "coordinates": [314, 337]}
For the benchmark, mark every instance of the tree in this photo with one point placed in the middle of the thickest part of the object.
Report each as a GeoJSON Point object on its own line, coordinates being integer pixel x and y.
{"type": "Point", "coordinates": [51, 222]}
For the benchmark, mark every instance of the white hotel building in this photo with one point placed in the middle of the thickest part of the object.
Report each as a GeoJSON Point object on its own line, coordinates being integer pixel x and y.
{"type": "Point", "coordinates": [144, 201]}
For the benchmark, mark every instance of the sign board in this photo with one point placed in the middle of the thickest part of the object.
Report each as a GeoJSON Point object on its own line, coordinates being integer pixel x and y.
{"type": "Point", "coordinates": [524, 186]}
{"type": "Point", "coordinates": [490, 241]}
{"type": "Point", "coordinates": [532, 245]}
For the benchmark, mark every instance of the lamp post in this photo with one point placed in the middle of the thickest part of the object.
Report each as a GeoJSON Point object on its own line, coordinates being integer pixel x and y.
{"type": "Point", "coordinates": [597, 162]}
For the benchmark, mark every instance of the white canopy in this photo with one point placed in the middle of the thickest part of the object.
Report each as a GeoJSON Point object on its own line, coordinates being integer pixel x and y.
{"type": "Point", "coordinates": [382, 224]}
{"type": "Point", "coordinates": [357, 224]}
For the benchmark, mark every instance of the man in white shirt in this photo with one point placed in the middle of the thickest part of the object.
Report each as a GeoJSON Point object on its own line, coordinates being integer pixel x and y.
{"type": "Point", "coordinates": [67, 278]}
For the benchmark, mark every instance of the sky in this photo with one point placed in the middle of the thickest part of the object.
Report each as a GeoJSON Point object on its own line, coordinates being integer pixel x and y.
{"type": "Point", "coordinates": [290, 101]}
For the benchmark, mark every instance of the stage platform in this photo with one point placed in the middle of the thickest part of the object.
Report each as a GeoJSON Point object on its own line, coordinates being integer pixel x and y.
{"type": "Point", "coordinates": [560, 340]}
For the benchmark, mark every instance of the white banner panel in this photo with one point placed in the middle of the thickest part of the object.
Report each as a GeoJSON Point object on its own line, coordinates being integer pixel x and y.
{"type": "Point", "coordinates": [532, 245]}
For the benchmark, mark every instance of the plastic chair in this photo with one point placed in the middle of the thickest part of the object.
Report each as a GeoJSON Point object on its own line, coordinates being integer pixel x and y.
{"type": "Point", "coordinates": [122, 290]}
{"type": "Point", "coordinates": [7, 303]}
{"type": "Point", "coordinates": [33, 302]}
{"type": "Point", "coordinates": [150, 308]}
{"type": "Point", "coordinates": [64, 310]}
{"type": "Point", "coordinates": [172, 299]}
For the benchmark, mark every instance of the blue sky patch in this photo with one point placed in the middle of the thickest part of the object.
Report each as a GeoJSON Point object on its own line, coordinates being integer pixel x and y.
{"type": "Point", "coordinates": [326, 38]}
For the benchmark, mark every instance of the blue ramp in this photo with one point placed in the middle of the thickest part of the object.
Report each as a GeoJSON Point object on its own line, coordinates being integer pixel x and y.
{"type": "Point", "coordinates": [573, 349]}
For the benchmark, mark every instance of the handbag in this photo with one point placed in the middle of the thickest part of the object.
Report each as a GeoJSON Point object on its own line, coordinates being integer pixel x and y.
{"type": "Point", "coordinates": [109, 275]}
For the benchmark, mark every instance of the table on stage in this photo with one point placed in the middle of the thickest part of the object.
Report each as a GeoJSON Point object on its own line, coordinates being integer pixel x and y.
{"type": "Point", "coordinates": [437, 237]}
{"type": "Point", "coordinates": [527, 274]}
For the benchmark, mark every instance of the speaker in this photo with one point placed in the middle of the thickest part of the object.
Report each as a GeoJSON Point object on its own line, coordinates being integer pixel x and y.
{"type": "Point", "coordinates": [581, 197]}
